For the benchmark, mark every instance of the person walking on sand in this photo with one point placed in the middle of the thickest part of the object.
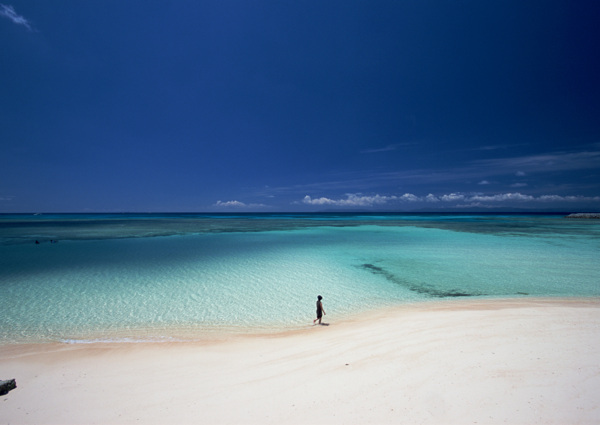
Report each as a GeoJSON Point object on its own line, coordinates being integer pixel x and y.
{"type": "Point", "coordinates": [320, 310]}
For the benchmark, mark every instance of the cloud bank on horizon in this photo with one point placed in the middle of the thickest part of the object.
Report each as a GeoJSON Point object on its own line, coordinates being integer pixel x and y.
{"type": "Point", "coordinates": [449, 202]}
{"type": "Point", "coordinates": [452, 200]}
{"type": "Point", "coordinates": [537, 166]}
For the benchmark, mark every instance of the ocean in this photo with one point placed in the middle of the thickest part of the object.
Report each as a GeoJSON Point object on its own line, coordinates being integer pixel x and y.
{"type": "Point", "coordinates": [81, 278]}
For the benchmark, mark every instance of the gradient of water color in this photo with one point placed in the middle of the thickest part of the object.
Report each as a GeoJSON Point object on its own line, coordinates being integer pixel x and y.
{"type": "Point", "coordinates": [164, 277]}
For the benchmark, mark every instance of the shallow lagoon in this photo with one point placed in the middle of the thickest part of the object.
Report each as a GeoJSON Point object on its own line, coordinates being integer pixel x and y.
{"type": "Point", "coordinates": [163, 277]}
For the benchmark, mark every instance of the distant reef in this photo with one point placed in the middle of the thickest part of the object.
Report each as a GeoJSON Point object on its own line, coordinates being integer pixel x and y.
{"type": "Point", "coordinates": [584, 215]}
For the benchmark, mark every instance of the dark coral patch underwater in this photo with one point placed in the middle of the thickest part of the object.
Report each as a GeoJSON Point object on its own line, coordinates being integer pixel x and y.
{"type": "Point", "coordinates": [423, 288]}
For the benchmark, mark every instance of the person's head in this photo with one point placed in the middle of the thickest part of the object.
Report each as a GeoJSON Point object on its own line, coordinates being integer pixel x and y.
{"type": "Point", "coordinates": [319, 298]}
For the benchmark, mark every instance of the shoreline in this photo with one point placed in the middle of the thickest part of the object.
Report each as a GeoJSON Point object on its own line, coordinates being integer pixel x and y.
{"type": "Point", "coordinates": [522, 360]}
{"type": "Point", "coordinates": [214, 334]}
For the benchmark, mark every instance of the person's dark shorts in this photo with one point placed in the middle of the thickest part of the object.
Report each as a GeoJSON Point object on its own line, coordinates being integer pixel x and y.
{"type": "Point", "coordinates": [319, 314]}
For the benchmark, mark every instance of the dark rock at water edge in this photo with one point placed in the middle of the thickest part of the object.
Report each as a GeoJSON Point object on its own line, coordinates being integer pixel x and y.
{"type": "Point", "coordinates": [6, 386]}
{"type": "Point", "coordinates": [585, 215]}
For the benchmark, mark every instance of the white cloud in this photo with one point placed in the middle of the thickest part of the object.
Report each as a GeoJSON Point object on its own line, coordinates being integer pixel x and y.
{"type": "Point", "coordinates": [483, 182]}
{"type": "Point", "coordinates": [9, 12]}
{"type": "Point", "coordinates": [352, 200]}
{"type": "Point", "coordinates": [555, 198]}
{"type": "Point", "coordinates": [229, 204]}
{"type": "Point", "coordinates": [502, 197]}
{"type": "Point", "coordinates": [237, 204]}
{"type": "Point", "coordinates": [318, 201]}
{"type": "Point", "coordinates": [520, 174]}
{"type": "Point", "coordinates": [452, 197]}
{"type": "Point", "coordinates": [409, 197]}
{"type": "Point", "coordinates": [431, 198]}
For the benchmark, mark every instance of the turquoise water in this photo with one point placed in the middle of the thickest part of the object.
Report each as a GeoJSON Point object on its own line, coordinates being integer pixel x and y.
{"type": "Point", "coordinates": [162, 277]}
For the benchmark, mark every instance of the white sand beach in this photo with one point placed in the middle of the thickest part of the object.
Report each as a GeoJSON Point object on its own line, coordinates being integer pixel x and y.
{"type": "Point", "coordinates": [517, 361]}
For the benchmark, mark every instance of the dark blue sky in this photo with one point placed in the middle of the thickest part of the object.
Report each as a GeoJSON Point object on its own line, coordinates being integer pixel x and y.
{"type": "Point", "coordinates": [299, 105]}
